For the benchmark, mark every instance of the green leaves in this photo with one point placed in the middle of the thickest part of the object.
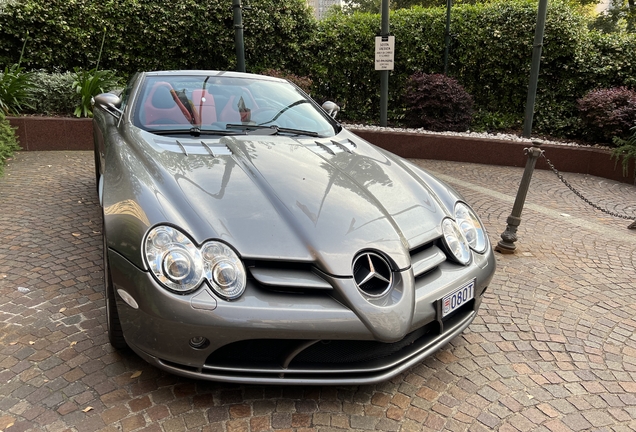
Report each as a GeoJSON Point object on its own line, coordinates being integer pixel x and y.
{"type": "Point", "coordinates": [8, 141]}
{"type": "Point", "coordinates": [91, 83]}
{"type": "Point", "coordinates": [16, 90]}
{"type": "Point", "coordinates": [625, 150]}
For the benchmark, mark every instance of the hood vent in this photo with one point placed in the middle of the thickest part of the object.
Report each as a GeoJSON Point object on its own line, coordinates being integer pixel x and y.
{"type": "Point", "coordinates": [332, 147]}
{"type": "Point", "coordinates": [189, 147]}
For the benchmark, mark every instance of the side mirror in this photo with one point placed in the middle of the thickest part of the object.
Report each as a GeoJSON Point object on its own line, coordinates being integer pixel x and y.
{"type": "Point", "coordinates": [331, 108]}
{"type": "Point", "coordinates": [108, 102]}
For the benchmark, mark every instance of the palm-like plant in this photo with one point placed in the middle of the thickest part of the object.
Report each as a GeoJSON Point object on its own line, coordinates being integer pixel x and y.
{"type": "Point", "coordinates": [625, 150]}
{"type": "Point", "coordinates": [91, 83]}
{"type": "Point", "coordinates": [16, 87]}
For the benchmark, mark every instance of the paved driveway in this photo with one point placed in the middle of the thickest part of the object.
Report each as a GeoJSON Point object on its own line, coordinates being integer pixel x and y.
{"type": "Point", "coordinates": [553, 348]}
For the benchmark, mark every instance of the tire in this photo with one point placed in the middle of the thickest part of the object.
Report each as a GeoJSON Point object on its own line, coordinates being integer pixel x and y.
{"type": "Point", "coordinates": [113, 325]}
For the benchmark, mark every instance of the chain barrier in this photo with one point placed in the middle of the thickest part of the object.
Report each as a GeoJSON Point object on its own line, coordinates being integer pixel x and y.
{"type": "Point", "coordinates": [580, 195]}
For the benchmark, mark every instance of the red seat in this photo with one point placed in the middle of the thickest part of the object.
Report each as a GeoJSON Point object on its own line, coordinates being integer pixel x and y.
{"type": "Point", "coordinates": [204, 103]}
{"type": "Point", "coordinates": [160, 109]}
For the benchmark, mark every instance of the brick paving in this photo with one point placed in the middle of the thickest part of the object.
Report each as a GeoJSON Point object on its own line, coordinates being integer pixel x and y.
{"type": "Point", "coordinates": [553, 348]}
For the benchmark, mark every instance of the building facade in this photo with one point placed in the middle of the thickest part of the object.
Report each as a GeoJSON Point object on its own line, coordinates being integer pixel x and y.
{"type": "Point", "coordinates": [321, 7]}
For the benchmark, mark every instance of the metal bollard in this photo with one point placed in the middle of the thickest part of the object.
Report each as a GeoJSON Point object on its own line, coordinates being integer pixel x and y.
{"type": "Point", "coordinates": [508, 238]}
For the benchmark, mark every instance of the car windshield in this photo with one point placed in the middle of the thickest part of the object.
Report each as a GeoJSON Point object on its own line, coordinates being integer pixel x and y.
{"type": "Point", "coordinates": [213, 104]}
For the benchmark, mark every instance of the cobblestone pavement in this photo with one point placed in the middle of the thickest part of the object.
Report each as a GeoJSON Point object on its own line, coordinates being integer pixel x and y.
{"type": "Point", "coordinates": [553, 348]}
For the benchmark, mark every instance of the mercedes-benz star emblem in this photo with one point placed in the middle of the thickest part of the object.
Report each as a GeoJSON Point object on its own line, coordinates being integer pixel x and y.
{"type": "Point", "coordinates": [372, 274]}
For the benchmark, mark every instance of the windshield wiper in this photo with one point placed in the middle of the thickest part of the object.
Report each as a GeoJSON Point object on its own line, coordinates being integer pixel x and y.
{"type": "Point", "coordinates": [272, 130]}
{"type": "Point", "coordinates": [194, 132]}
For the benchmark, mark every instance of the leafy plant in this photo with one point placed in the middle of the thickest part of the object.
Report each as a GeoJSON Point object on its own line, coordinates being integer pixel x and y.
{"type": "Point", "coordinates": [608, 113]}
{"type": "Point", "coordinates": [90, 83]}
{"type": "Point", "coordinates": [437, 102]}
{"type": "Point", "coordinates": [8, 141]}
{"type": "Point", "coordinates": [625, 150]}
{"type": "Point", "coordinates": [16, 86]}
{"type": "Point", "coordinates": [16, 90]}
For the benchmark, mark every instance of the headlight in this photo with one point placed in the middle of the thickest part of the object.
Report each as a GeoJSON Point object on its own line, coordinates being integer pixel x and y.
{"type": "Point", "coordinates": [173, 259]}
{"type": "Point", "coordinates": [179, 265]}
{"type": "Point", "coordinates": [223, 269]}
{"type": "Point", "coordinates": [471, 227]}
{"type": "Point", "coordinates": [455, 241]}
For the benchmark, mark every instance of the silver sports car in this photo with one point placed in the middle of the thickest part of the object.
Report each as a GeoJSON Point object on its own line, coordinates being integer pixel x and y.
{"type": "Point", "coordinates": [249, 237]}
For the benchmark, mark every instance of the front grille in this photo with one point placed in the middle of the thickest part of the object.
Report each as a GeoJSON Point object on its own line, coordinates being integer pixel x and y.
{"type": "Point", "coordinates": [260, 353]}
{"type": "Point", "coordinates": [340, 352]}
{"type": "Point", "coordinates": [287, 277]}
{"type": "Point", "coordinates": [426, 258]}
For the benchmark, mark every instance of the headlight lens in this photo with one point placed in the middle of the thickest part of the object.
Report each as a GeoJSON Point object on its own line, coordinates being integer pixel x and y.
{"type": "Point", "coordinates": [471, 227]}
{"type": "Point", "coordinates": [173, 259]}
{"type": "Point", "coordinates": [455, 241]}
{"type": "Point", "coordinates": [223, 269]}
{"type": "Point", "coordinates": [180, 266]}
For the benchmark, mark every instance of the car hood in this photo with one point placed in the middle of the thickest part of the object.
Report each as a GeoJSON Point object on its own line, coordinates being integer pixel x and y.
{"type": "Point", "coordinates": [281, 198]}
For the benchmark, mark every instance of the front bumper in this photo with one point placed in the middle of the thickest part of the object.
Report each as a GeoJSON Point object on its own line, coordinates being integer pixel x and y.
{"type": "Point", "coordinates": [262, 337]}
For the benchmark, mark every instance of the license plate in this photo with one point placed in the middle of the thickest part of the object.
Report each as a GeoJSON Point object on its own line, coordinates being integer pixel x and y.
{"type": "Point", "coordinates": [453, 301]}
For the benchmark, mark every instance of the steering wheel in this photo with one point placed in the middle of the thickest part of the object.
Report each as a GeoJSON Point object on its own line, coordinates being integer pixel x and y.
{"type": "Point", "coordinates": [264, 115]}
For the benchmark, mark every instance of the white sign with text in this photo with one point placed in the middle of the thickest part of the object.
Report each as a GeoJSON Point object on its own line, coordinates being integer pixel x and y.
{"type": "Point", "coordinates": [384, 52]}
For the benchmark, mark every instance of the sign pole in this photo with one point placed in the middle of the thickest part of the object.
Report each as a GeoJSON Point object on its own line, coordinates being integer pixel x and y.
{"type": "Point", "coordinates": [238, 36]}
{"type": "Point", "coordinates": [384, 74]}
{"type": "Point", "coordinates": [534, 70]}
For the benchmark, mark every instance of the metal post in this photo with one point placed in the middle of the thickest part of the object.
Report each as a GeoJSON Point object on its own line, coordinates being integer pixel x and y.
{"type": "Point", "coordinates": [508, 238]}
{"type": "Point", "coordinates": [238, 35]}
{"type": "Point", "coordinates": [449, 4]}
{"type": "Point", "coordinates": [384, 75]}
{"type": "Point", "coordinates": [534, 71]}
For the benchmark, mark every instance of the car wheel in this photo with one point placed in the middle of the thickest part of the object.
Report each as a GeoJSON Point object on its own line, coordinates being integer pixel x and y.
{"type": "Point", "coordinates": [115, 332]}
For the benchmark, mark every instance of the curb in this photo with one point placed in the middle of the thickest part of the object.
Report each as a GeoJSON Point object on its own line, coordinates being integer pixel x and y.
{"type": "Point", "coordinates": [65, 133]}
{"type": "Point", "coordinates": [582, 160]}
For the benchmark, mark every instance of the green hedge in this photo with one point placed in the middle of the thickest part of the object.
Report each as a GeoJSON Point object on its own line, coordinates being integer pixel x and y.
{"type": "Point", "coordinates": [154, 34]}
{"type": "Point", "coordinates": [490, 53]}
{"type": "Point", "coordinates": [490, 56]}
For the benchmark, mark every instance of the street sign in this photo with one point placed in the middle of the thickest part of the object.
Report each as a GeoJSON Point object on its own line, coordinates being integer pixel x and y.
{"type": "Point", "coordinates": [384, 52]}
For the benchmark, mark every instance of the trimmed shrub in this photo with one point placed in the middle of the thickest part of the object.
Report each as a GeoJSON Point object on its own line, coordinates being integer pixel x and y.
{"type": "Point", "coordinates": [438, 103]}
{"type": "Point", "coordinates": [53, 93]}
{"type": "Point", "coordinates": [8, 141]}
{"type": "Point", "coordinates": [608, 113]}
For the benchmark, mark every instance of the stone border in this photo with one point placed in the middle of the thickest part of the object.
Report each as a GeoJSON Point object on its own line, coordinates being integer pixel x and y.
{"type": "Point", "coordinates": [53, 133]}
{"type": "Point", "coordinates": [62, 133]}
{"type": "Point", "coordinates": [582, 160]}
